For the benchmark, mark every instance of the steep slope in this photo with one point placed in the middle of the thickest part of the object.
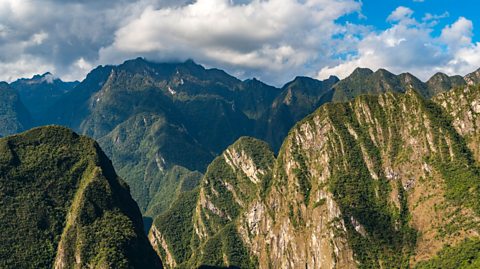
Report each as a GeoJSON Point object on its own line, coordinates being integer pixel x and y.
{"type": "Point", "coordinates": [297, 99]}
{"type": "Point", "coordinates": [148, 116]}
{"type": "Point", "coordinates": [158, 158]}
{"type": "Point", "coordinates": [72, 108]}
{"type": "Point", "coordinates": [63, 206]}
{"type": "Point", "coordinates": [14, 117]}
{"type": "Point", "coordinates": [355, 183]}
{"type": "Point", "coordinates": [473, 78]}
{"type": "Point", "coordinates": [40, 92]}
{"type": "Point", "coordinates": [382, 181]}
{"type": "Point", "coordinates": [208, 215]}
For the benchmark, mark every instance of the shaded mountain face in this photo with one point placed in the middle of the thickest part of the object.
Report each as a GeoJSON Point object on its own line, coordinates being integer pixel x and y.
{"type": "Point", "coordinates": [63, 206]}
{"type": "Point", "coordinates": [40, 92]}
{"type": "Point", "coordinates": [154, 118]}
{"type": "Point", "coordinates": [378, 182]}
{"type": "Point", "coordinates": [14, 117]}
{"type": "Point", "coordinates": [296, 100]}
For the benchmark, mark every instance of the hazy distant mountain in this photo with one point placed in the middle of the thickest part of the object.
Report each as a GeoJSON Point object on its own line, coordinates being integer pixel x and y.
{"type": "Point", "coordinates": [365, 81]}
{"type": "Point", "coordinates": [14, 117]}
{"type": "Point", "coordinates": [40, 92]}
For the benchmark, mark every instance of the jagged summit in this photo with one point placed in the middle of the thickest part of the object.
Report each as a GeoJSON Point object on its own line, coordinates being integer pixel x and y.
{"type": "Point", "coordinates": [473, 78]}
{"type": "Point", "coordinates": [359, 71]}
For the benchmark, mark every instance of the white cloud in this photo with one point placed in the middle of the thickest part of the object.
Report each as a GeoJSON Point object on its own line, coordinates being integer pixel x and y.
{"type": "Point", "coordinates": [401, 14]}
{"type": "Point", "coordinates": [410, 46]}
{"type": "Point", "coordinates": [56, 34]}
{"type": "Point", "coordinates": [24, 66]}
{"type": "Point", "coordinates": [458, 34]}
{"type": "Point", "coordinates": [272, 39]}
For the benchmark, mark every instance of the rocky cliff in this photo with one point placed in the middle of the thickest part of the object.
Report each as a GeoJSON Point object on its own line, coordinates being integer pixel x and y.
{"type": "Point", "coordinates": [382, 181]}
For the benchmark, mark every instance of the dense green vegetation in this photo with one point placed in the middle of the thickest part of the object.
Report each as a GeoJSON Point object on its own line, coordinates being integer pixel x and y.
{"type": "Point", "coordinates": [225, 181]}
{"type": "Point", "coordinates": [222, 240]}
{"type": "Point", "coordinates": [162, 124]}
{"type": "Point", "coordinates": [58, 191]}
{"type": "Point", "coordinates": [465, 255]}
{"type": "Point", "coordinates": [366, 200]}
{"type": "Point", "coordinates": [177, 227]}
{"type": "Point", "coordinates": [226, 243]}
{"type": "Point", "coordinates": [149, 148]}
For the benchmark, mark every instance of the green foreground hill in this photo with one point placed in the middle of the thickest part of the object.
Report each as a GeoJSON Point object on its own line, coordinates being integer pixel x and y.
{"type": "Point", "coordinates": [63, 206]}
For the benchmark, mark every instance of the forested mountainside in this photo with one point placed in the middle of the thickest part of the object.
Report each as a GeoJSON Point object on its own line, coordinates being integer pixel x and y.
{"type": "Point", "coordinates": [382, 181]}
{"type": "Point", "coordinates": [63, 206]}
{"type": "Point", "coordinates": [381, 172]}
{"type": "Point", "coordinates": [147, 115]}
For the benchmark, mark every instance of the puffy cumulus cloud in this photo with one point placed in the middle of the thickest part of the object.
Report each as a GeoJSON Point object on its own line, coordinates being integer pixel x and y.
{"type": "Point", "coordinates": [23, 66]}
{"type": "Point", "coordinates": [410, 46]}
{"type": "Point", "coordinates": [272, 39]}
{"type": "Point", "coordinates": [57, 34]}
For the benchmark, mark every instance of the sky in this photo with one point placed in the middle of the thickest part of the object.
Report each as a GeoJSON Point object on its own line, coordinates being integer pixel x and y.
{"type": "Point", "coordinates": [272, 40]}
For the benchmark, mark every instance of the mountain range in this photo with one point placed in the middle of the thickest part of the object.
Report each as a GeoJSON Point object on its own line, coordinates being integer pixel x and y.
{"type": "Point", "coordinates": [347, 176]}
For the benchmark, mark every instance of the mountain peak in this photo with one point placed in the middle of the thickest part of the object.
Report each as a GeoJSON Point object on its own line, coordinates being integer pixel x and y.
{"type": "Point", "coordinates": [473, 78]}
{"type": "Point", "coordinates": [360, 71]}
{"type": "Point", "coordinates": [384, 73]}
{"type": "Point", "coordinates": [4, 85]}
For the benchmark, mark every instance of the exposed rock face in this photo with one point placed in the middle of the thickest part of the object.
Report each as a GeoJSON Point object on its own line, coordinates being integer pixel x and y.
{"type": "Point", "coordinates": [378, 182]}
{"type": "Point", "coordinates": [63, 206]}
{"type": "Point", "coordinates": [473, 78]}
{"type": "Point", "coordinates": [365, 167]}
{"type": "Point", "coordinates": [463, 105]}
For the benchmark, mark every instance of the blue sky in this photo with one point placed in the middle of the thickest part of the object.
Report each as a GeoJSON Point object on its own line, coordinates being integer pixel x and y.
{"type": "Point", "coordinates": [376, 12]}
{"type": "Point", "coordinates": [273, 40]}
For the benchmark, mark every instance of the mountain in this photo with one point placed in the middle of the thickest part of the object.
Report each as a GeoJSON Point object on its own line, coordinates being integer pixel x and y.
{"type": "Point", "coordinates": [440, 82]}
{"type": "Point", "coordinates": [473, 78]}
{"type": "Point", "coordinates": [63, 206]}
{"type": "Point", "coordinates": [40, 92]}
{"type": "Point", "coordinates": [365, 81]}
{"type": "Point", "coordinates": [199, 228]}
{"type": "Point", "coordinates": [161, 124]}
{"type": "Point", "coordinates": [296, 100]}
{"type": "Point", "coordinates": [148, 115]}
{"type": "Point", "coordinates": [14, 117]}
{"type": "Point", "coordinates": [383, 181]}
